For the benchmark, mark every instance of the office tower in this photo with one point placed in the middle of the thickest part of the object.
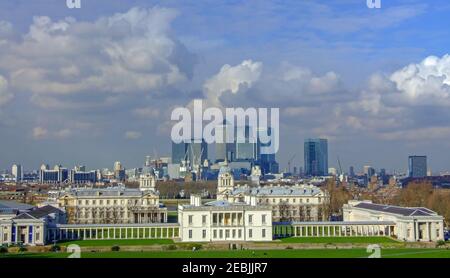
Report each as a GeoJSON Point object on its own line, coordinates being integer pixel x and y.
{"type": "Point", "coordinates": [417, 166]}
{"type": "Point", "coordinates": [119, 171]}
{"type": "Point", "coordinates": [17, 172]}
{"type": "Point", "coordinates": [351, 171]}
{"type": "Point", "coordinates": [247, 150]}
{"type": "Point", "coordinates": [194, 153]}
{"type": "Point", "coordinates": [369, 171]}
{"type": "Point", "coordinates": [316, 157]}
{"type": "Point", "coordinates": [226, 149]}
{"type": "Point", "coordinates": [148, 161]}
{"type": "Point", "coordinates": [268, 161]}
{"type": "Point", "coordinates": [179, 152]}
{"type": "Point", "coordinates": [197, 153]}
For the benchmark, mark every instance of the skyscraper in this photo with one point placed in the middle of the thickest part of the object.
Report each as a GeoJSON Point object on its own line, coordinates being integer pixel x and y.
{"type": "Point", "coordinates": [417, 166]}
{"type": "Point", "coordinates": [17, 172]}
{"type": "Point", "coordinates": [247, 150]}
{"type": "Point", "coordinates": [316, 157]}
{"type": "Point", "coordinates": [195, 153]}
{"type": "Point", "coordinates": [226, 149]}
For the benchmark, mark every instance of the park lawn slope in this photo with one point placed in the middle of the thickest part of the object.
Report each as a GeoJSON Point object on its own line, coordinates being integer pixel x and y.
{"type": "Point", "coordinates": [324, 240]}
{"type": "Point", "coordinates": [302, 253]}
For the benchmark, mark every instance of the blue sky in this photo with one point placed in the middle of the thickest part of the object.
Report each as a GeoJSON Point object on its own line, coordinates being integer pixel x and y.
{"type": "Point", "coordinates": [97, 84]}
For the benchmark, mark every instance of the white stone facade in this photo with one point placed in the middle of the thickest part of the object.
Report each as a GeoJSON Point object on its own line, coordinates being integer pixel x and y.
{"type": "Point", "coordinates": [411, 224]}
{"type": "Point", "coordinates": [221, 221]}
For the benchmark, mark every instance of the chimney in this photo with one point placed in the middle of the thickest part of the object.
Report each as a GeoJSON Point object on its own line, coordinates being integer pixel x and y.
{"type": "Point", "coordinates": [196, 200]}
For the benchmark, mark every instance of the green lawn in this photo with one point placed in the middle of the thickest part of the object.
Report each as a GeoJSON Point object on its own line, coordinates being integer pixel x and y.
{"type": "Point", "coordinates": [368, 240]}
{"type": "Point", "coordinates": [120, 242]}
{"type": "Point", "coordinates": [304, 253]}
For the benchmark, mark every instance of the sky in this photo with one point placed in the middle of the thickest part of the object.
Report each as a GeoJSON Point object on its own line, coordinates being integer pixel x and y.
{"type": "Point", "coordinates": [96, 85]}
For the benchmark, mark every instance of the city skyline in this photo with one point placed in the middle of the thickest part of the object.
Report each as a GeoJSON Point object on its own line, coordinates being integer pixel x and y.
{"type": "Point", "coordinates": [356, 76]}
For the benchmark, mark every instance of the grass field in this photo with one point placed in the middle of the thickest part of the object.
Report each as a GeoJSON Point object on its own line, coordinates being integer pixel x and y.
{"type": "Point", "coordinates": [304, 253]}
{"type": "Point", "coordinates": [121, 242]}
{"type": "Point", "coordinates": [368, 240]}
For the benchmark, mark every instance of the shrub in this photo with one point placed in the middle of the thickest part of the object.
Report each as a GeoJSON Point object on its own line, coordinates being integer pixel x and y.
{"type": "Point", "coordinates": [22, 249]}
{"type": "Point", "coordinates": [55, 248]}
{"type": "Point", "coordinates": [440, 243]}
{"type": "Point", "coordinates": [3, 249]}
{"type": "Point", "coordinates": [172, 247]}
{"type": "Point", "coordinates": [289, 247]}
{"type": "Point", "coordinates": [115, 248]}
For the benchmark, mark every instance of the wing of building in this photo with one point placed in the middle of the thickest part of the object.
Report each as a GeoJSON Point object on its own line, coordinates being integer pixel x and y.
{"type": "Point", "coordinates": [114, 205]}
{"type": "Point", "coordinates": [411, 223]}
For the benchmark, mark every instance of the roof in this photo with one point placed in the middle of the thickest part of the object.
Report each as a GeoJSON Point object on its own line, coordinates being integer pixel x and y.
{"type": "Point", "coordinates": [277, 191]}
{"type": "Point", "coordinates": [10, 205]}
{"type": "Point", "coordinates": [108, 192]}
{"type": "Point", "coordinates": [38, 213]}
{"type": "Point", "coordinates": [404, 211]}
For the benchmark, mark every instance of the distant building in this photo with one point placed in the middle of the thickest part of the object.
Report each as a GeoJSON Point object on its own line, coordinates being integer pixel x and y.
{"type": "Point", "coordinates": [316, 157]}
{"type": "Point", "coordinates": [83, 177]}
{"type": "Point", "coordinates": [59, 174]}
{"type": "Point", "coordinates": [417, 166]}
{"type": "Point", "coordinates": [17, 172]}
{"type": "Point", "coordinates": [194, 153]}
{"type": "Point", "coordinates": [369, 171]}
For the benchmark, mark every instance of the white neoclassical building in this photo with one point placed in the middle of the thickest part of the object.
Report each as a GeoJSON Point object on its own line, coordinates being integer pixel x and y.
{"type": "Point", "coordinates": [114, 205]}
{"type": "Point", "coordinates": [288, 203]}
{"type": "Point", "coordinates": [411, 224]}
{"type": "Point", "coordinates": [224, 221]}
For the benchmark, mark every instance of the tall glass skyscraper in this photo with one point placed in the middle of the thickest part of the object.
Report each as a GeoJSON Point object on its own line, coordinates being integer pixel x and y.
{"type": "Point", "coordinates": [316, 157]}
{"type": "Point", "coordinates": [195, 153]}
{"type": "Point", "coordinates": [417, 166]}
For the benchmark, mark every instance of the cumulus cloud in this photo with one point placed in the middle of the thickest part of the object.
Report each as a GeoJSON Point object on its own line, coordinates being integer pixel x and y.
{"type": "Point", "coordinates": [133, 135]}
{"type": "Point", "coordinates": [124, 53]}
{"type": "Point", "coordinates": [232, 79]}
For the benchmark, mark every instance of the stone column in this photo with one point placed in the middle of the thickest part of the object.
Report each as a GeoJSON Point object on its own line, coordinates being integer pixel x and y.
{"type": "Point", "coordinates": [416, 231]}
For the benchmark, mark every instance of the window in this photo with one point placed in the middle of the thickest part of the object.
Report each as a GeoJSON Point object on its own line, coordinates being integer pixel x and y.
{"type": "Point", "coordinates": [190, 233]}
{"type": "Point", "coordinates": [307, 200]}
{"type": "Point", "coordinates": [227, 233]}
{"type": "Point", "coordinates": [250, 219]}
{"type": "Point", "coordinates": [234, 233]}
{"type": "Point", "coordinates": [215, 233]}
{"type": "Point", "coordinates": [263, 219]}
{"type": "Point", "coordinates": [264, 233]}
{"type": "Point", "coordinates": [239, 233]}
{"type": "Point", "coordinates": [204, 219]}
{"type": "Point", "coordinates": [250, 233]}
{"type": "Point", "coordinates": [221, 234]}
{"type": "Point", "coordinates": [204, 233]}
{"type": "Point", "coordinates": [191, 219]}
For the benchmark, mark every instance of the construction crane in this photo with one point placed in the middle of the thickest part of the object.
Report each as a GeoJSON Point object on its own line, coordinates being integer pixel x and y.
{"type": "Point", "coordinates": [289, 162]}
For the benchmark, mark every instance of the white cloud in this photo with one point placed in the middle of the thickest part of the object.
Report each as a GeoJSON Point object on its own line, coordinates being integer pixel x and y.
{"type": "Point", "coordinates": [427, 82]}
{"type": "Point", "coordinates": [124, 53]}
{"type": "Point", "coordinates": [232, 79]}
{"type": "Point", "coordinates": [40, 133]}
{"type": "Point", "coordinates": [133, 135]}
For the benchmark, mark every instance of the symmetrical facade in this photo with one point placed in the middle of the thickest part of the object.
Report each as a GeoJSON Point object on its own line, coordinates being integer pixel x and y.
{"type": "Point", "coordinates": [224, 221]}
{"type": "Point", "coordinates": [114, 205]}
{"type": "Point", "coordinates": [411, 224]}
